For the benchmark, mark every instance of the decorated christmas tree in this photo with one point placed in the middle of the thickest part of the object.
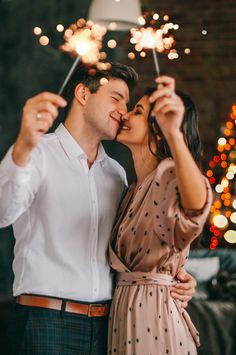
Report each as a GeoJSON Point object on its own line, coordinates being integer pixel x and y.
{"type": "Point", "coordinates": [221, 174]}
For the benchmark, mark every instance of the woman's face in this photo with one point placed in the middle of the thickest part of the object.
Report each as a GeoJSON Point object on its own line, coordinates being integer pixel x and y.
{"type": "Point", "coordinates": [134, 130]}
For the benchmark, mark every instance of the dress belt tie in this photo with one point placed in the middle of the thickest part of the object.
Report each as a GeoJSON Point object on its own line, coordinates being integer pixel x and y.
{"type": "Point", "coordinates": [137, 278]}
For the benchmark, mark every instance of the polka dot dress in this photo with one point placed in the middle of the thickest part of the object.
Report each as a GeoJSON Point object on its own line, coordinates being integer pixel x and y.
{"type": "Point", "coordinates": [149, 245]}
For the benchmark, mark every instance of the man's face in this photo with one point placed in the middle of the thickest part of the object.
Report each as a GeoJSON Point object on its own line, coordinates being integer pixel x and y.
{"type": "Point", "coordinates": [104, 109]}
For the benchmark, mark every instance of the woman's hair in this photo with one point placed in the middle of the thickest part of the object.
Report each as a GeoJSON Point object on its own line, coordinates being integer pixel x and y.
{"type": "Point", "coordinates": [189, 128]}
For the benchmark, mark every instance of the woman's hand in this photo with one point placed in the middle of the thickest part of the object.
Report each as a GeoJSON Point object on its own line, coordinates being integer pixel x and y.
{"type": "Point", "coordinates": [185, 289]}
{"type": "Point", "coordinates": [169, 108]}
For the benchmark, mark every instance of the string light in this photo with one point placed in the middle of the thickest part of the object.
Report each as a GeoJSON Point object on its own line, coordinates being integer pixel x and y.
{"type": "Point", "coordinates": [223, 218]}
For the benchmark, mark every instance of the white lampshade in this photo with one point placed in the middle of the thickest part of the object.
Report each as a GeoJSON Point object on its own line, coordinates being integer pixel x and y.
{"type": "Point", "coordinates": [122, 15]}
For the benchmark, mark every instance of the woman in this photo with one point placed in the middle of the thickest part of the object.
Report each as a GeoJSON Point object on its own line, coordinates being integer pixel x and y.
{"type": "Point", "coordinates": [158, 218]}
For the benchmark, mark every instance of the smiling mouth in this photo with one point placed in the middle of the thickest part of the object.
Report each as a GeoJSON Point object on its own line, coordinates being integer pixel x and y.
{"type": "Point", "coordinates": [117, 121]}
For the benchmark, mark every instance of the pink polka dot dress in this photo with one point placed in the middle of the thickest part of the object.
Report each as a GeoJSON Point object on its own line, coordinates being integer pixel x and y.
{"type": "Point", "coordinates": [149, 245]}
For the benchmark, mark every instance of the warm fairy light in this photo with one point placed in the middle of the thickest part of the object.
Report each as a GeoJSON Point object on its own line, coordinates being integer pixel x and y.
{"type": "Point", "coordinates": [220, 221]}
{"type": "Point", "coordinates": [112, 26]}
{"type": "Point", "coordinates": [111, 43]}
{"type": "Point", "coordinates": [103, 55]}
{"type": "Point", "coordinates": [223, 164]}
{"type": "Point", "coordinates": [131, 55]}
{"type": "Point", "coordinates": [211, 164]}
{"type": "Point", "coordinates": [143, 54]}
{"type": "Point", "coordinates": [85, 38]}
{"type": "Point", "coordinates": [222, 141]}
{"type": "Point", "coordinates": [227, 203]}
{"type": "Point", "coordinates": [219, 188]}
{"type": "Point", "coordinates": [204, 32]}
{"type": "Point", "coordinates": [166, 18]}
{"type": "Point", "coordinates": [230, 175]}
{"type": "Point", "coordinates": [228, 214]}
{"type": "Point", "coordinates": [212, 180]}
{"type": "Point", "coordinates": [224, 182]}
{"type": "Point", "coordinates": [223, 156]}
{"type": "Point", "coordinates": [103, 81]}
{"type": "Point", "coordinates": [228, 147]}
{"type": "Point", "coordinates": [44, 40]}
{"type": "Point", "coordinates": [232, 168]}
{"type": "Point", "coordinates": [141, 20]}
{"type": "Point", "coordinates": [209, 173]}
{"type": "Point", "coordinates": [227, 132]}
{"type": "Point", "coordinates": [37, 31]}
{"type": "Point", "coordinates": [220, 148]}
{"type": "Point", "coordinates": [173, 54]}
{"type": "Point", "coordinates": [229, 124]}
{"type": "Point", "coordinates": [232, 141]}
{"type": "Point", "coordinates": [187, 51]}
{"type": "Point", "coordinates": [230, 236]}
{"type": "Point", "coordinates": [233, 217]}
{"type": "Point", "coordinates": [217, 204]}
{"type": "Point", "coordinates": [60, 28]}
{"type": "Point", "coordinates": [216, 158]}
{"type": "Point", "coordinates": [234, 204]}
{"type": "Point", "coordinates": [138, 48]}
{"type": "Point", "coordinates": [155, 17]}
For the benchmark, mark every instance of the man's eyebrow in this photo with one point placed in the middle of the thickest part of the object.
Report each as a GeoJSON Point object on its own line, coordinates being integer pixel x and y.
{"type": "Point", "coordinates": [117, 93]}
{"type": "Point", "coordinates": [120, 95]}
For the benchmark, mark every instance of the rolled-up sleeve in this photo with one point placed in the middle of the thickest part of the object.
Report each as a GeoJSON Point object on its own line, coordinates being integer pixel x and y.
{"type": "Point", "coordinates": [174, 225]}
{"type": "Point", "coordinates": [18, 185]}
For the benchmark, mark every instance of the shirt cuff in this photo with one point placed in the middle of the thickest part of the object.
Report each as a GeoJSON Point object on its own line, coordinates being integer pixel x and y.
{"type": "Point", "coordinates": [13, 172]}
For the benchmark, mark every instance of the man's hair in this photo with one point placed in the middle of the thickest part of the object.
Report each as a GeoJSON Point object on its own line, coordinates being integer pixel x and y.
{"type": "Point", "coordinates": [91, 78]}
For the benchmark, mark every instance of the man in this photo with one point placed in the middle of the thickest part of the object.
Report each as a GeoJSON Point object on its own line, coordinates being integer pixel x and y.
{"type": "Point", "coordinates": [61, 192]}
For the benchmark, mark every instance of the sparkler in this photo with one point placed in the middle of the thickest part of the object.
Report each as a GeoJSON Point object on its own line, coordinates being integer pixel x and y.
{"type": "Point", "coordinates": [84, 41]}
{"type": "Point", "coordinates": [158, 40]}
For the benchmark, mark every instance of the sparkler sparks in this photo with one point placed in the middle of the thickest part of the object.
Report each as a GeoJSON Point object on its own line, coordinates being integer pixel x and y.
{"type": "Point", "coordinates": [84, 41]}
{"type": "Point", "coordinates": [156, 39]}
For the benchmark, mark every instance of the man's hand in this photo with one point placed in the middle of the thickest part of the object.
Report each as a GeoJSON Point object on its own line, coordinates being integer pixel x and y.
{"type": "Point", "coordinates": [39, 114]}
{"type": "Point", "coordinates": [185, 289]}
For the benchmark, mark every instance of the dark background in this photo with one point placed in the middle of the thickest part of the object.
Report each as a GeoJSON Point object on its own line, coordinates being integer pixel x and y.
{"type": "Point", "coordinates": [208, 73]}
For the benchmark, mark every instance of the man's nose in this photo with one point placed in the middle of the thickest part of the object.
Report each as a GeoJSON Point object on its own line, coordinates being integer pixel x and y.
{"type": "Point", "coordinates": [122, 109]}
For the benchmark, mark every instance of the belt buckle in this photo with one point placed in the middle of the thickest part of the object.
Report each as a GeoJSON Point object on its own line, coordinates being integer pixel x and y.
{"type": "Point", "coordinates": [95, 310]}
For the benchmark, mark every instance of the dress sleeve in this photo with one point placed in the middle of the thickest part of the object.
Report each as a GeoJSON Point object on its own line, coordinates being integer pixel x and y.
{"type": "Point", "coordinates": [174, 225]}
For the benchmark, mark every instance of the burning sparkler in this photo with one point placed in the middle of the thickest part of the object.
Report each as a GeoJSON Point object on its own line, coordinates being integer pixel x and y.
{"type": "Point", "coordinates": [84, 41]}
{"type": "Point", "coordinates": [158, 40]}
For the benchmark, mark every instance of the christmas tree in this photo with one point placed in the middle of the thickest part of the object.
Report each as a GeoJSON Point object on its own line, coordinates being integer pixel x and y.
{"type": "Point", "coordinates": [221, 174]}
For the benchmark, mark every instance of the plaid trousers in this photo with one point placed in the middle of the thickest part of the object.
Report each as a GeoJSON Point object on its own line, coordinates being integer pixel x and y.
{"type": "Point", "coordinates": [40, 331]}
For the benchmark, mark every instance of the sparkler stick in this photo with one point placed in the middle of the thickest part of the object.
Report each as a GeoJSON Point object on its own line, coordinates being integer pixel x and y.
{"type": "Point", "coordinates": [156, 62]}
{"type": "Point", "coordinates": [69, 75]}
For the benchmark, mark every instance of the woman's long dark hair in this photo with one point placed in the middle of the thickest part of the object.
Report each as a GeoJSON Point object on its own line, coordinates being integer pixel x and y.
{"type": "Point", "coordinates": [189, 128]}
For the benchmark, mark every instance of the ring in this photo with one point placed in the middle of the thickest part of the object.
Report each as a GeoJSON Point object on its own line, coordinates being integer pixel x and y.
{"type": "Point", "coordinates": [172, 93]}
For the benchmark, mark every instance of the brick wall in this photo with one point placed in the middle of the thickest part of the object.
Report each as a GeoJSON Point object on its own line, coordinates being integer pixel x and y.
{"type": "Point", "coordinates": [208, 73]}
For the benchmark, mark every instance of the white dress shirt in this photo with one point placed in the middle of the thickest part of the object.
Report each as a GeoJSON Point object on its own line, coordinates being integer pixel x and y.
{"type": "Point", "coordinates": [62, 214]}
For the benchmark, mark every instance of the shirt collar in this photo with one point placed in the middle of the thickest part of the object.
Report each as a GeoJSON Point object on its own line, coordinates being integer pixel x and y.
{"type": "Point", "coordinates": [72, 148]}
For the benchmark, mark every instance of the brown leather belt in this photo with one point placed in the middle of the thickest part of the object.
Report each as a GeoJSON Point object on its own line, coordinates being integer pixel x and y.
{"type": "Point", "coordinates": [90, 310]}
